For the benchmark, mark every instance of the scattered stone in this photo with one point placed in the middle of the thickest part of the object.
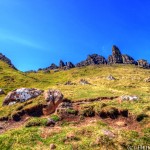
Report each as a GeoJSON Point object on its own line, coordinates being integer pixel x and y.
{"type": "Point", "coordinates": [53, 99]}
{"type": "Point", "coordinates": [110, 77]}
{"type": "Point", "coordinates": [93, 59]}
{"type": "Point", "coordinates": [147, 79]}
{"type": "Point", "coordinates": [69, 83]}
{"type": "Point", "coordinates": [21, 95]}
{"type": "Point", "coordinates": [52, 146]}
{"type": "Point", "coordinates": [50, 122]}
{"type": "Point", "coordinates": [1, 128]}
{"type": "Point", "coordinates": [129, 98]}
{"type": "Point", "coordinates": [84, 82]}
{"type": "Point", "coordinates": [1, 92]}
{"type": "Point", "coordinates": [108, 133]}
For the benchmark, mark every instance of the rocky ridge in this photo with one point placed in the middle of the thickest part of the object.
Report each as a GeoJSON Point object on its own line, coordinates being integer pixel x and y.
{"type": "Point", "coordinates": [116, 58]}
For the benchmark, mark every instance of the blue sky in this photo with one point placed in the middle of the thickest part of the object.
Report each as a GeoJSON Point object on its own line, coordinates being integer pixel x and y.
{"type": "Point", "coordinates": [35, 33]}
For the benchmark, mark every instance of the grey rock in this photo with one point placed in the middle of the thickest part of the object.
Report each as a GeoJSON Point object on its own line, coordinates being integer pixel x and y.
{"type": "Point", "coordinates": [21, 95]}
{"type": "Point", "coordinates": [93, 59]}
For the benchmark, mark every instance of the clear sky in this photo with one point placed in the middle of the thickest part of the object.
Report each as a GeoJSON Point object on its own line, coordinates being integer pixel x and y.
{"type": "Point", "coordinates": [35, 33]}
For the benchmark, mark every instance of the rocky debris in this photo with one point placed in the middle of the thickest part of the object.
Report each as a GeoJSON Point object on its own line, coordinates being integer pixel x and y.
{"type": "Point", "coordinates": [52, 146]}
{"type": "Point", "coordinates": [128, 98]}
{"type": "Point", "coordinates": [1, 92]}
{"type": "Point", "coordinates": [93, 59]}
{"type": "Point", "coordinates": [108, 133]}
{"type": "Point", "coordinates": [147, 79]}
{"type": "Point", "coordinates": [84, 82]}
{"type": "Point", "coordinates": [21, 95]}
{"type": "Point", "coordinates": [143, 63]}
{"type": "Point", "coordinates": [7, 60]}
{"type": "Point", "coordinates": [116, 56]}
{"type": "Point", "coordinates": [61, 64]}
{"type": "Point", "coordinates": [69, 83]}
{"type": "Point", "coordinates": [53, 99]}
{"type": "Point", "coordinates": [50, 122]}
{"type": "Point", "coordinates": [110, 77]}
{"type": "Point", "coordinates": [128, 60]}
{"type": "Point", "coordinates": [1, 128]}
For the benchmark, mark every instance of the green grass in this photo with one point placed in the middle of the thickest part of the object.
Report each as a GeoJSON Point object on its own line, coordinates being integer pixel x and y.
{"type": "Point", "coordinates": [129, 80]}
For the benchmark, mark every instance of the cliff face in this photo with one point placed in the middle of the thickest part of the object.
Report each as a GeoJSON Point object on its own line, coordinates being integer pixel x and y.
{"type": "Point", "coordinates": [7, 60]}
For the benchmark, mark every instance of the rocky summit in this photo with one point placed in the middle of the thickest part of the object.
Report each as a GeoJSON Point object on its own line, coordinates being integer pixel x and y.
{"type": "Point", "coordinates": [95, 59]}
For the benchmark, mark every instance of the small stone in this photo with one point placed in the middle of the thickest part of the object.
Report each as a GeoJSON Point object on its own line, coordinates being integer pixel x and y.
{"type": "Point", "coordinates": [110, 77]}
{"type": "Point", "coordinates": [121, 123]}
{"type": "Point", "coordinates": [52, 146]}
{"type": "Point", "coordinates": [50, 122]}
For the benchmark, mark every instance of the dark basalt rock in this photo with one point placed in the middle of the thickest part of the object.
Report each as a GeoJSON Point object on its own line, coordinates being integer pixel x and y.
{"type": "Point", "coordinates": [61, 64]}
{"type": "Point", "coordinates": [116, 56]}
{"type": "Point", "coordinates": [93, 59]}
{"type": "Point", "coordinates": [143, 63]}
{"type": "Point", "coordinates": [128, 59]}
{"type": "Point", "coordinates": [7, 60]}
{"type": "Point", "coordinates": [70, 65]}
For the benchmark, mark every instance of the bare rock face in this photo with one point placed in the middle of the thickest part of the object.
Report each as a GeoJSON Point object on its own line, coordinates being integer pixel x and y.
{"type": "Point", "coordinates": [21, 95]}
{"type": "Point", "coordinates": [61, 64]}
{"type": "Point", "coordinates": [7, 60]}
{"type": "Point", "coordinates": [53, 99]}
{"type": "Point", "coordinates": [128, 60]}
{"type": "Point", "coordinates": [116, 56]}
{"type": "Point", "coordinates": [143, 63]}
{"type": "Point", "coordinates": [93, 59]}
{"type": "Point", "coordinates": [70, 65]}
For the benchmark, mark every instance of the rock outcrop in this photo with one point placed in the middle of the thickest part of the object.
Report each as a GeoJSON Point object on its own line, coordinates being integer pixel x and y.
{"type": "Point", "coordinates": [7, 60]}
{"type": "Point", "coordinates": [53, 99]}
{"type": "Point", "coordinates": [128, 60]}
{"type": "Point", "coordinates": [116, 56]}
{"type": "Point", "coordinates": [93, 59]}
{"type": "Point", "coordinates": [143, 63]}
{"type": "Point", "coordinates": [61, 64]}
{"type": "Point", "coordinates": [21, 95]}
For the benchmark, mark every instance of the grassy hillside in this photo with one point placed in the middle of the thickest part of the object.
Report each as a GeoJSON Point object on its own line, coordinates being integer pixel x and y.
{"type": "Point", "coordinates": [129, 81]}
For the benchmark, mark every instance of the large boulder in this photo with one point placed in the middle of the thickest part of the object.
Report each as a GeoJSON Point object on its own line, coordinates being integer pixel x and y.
{"type": "Point", "coordinates": [21, 95]}
{"type": "Point", "coordinates": [116, 56]}
{"type": "Point", "coordinates": [53, 99]}
{"type": "Point", "coordinates": [93, 59]}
